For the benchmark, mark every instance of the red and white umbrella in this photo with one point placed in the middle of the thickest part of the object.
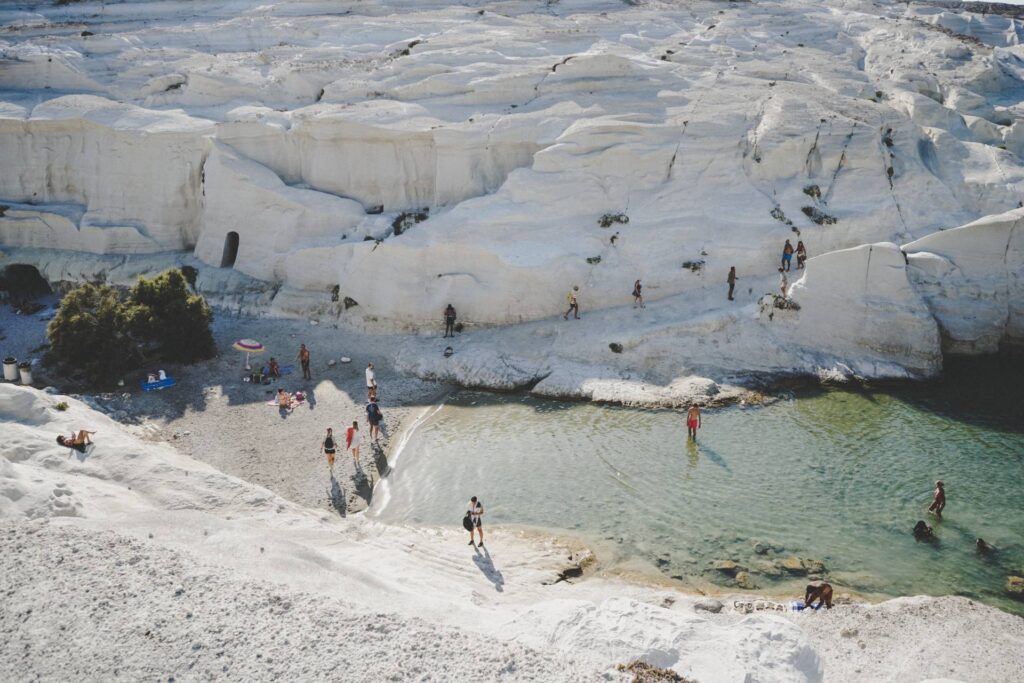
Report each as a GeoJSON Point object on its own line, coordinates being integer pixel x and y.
{"type": "Point", "coordinates": [249, 346]}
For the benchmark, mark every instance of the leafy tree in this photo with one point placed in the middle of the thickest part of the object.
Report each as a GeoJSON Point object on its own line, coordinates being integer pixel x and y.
{"type": "Point", "coordinates": [165, 313]}
{"type": "Point", "coordinates": [89, 333]}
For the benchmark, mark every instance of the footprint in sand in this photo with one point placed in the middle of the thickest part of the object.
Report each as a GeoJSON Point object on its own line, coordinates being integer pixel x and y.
{"type": "Point", "coordinates": [63, 503]}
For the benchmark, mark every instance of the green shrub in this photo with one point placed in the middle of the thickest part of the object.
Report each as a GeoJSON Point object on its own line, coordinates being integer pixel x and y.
{"type": "Point", "coordinates": [89, 333]}
{"type": "Point", "coordinates": [163, 312]}
{"type": "Point", "coordinates": [62, 406]}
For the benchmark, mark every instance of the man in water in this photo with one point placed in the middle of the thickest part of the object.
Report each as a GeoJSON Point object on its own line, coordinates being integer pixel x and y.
{"type": "Point", "coordinates": [476, 511]}
{"type": "Point", "coordinates": [692, 421]}
{"type": "Point", "coordinates": [303, 358]}
{"type": "Point", "coordinates": [939, 501]}
{"type": "Point", "coordinates": [983, 548]}
{"type": "Point", "coordinates": [923, 532]}
{"type": "Point", "coordinates": [820, 591]}
{"type": "Point", "coordinates": [449, 321]}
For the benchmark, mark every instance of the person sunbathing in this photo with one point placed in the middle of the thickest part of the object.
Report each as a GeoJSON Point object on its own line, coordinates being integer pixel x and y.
{"type": "Point", "coordinates": [80, 440]}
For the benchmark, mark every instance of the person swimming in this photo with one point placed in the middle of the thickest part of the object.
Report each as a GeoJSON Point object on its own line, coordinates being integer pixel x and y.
{"type": "Point", "coordinates": [923, 532]}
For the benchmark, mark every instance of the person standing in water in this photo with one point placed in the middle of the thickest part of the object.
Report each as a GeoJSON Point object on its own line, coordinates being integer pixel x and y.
{"type": "Point", "coordinates": [638, 297]}
{"type": "Point", "coordinates": [574, 306]}
{"type": "Point", "coordinates": [732, 281]}
{"type": "Point", "coordinates": [449, 321]}
{"type": "Point", "coordinates": [476, 512]}
{"type": "Point", "coordinates": [329, 448]}
{"type": "Point", "coordinates": [939, 500]}
{"type": "Point", "coordinates": [353, 441]}
{"type": "Point", "coordinates": [692, 421]}
{"type": "Point", "coordinates": [787, 256]}
{"type": "Point", "coordinates": [303, 358]}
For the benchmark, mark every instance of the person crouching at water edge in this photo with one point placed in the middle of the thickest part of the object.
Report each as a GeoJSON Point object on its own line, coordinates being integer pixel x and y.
{"type": "Point", "coordinates": [820, 591]}
{"type": "Point", "coordinates": [692, 422]}
{"type": "Point", "coordinates": [475, 511]}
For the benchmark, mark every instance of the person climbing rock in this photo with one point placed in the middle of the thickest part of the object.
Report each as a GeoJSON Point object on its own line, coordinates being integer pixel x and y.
{"type": "Point", "coordinates": [329, 448]}
{"type": "Point", "coordinates": [476, 512]}
{"type": "Point", "coordinates": [787, 255]}
{"type": "Point", "coordinates": [783, 283]}
{"type": "Point", "coordinates": [732, 281]}
{"type": "Point", "coordinates": [692, 421]}
{"type": "Point", "coordinates": [801, 254]}
{"type": "Point", "coordinates": [303, 358]}
{"type": "Point", "coordinates": [574, 306]}
{"type": "Point", "coordinates": [449, 321]}
{"type": "Point", "coordinates": [638, 297]}
{"type": "Point", "coordinates": [820, 591]}
{"type": "Point", "coordinates": [938, 500]}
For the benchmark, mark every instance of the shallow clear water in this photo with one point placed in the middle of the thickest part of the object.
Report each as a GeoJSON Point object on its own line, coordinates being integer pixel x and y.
{"type": "Point", "coordinates": [837, 476]}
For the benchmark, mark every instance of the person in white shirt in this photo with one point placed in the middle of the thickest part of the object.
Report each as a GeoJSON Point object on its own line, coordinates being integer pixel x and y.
{"type": "Point", "coordinates": [353, 440]}
{"type": "Point", "coordinates": [371, 381]}
{"type": "Point", "coordinates": [476, 511]}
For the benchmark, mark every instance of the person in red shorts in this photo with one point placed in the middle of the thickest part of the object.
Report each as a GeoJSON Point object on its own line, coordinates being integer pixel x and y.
{"type": "Point", "coordinates": [692, 422]}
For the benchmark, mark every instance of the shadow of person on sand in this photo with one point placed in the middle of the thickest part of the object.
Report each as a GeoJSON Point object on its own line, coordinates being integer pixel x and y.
{"type": "Point", "coordinates": [311, 398]}
{"type": "Point", "coordinates": [485, 564]}
{"type": "Point", "coordinates": [380, 460]}
{"type": "Point", "coordinates": [363, 485]}
{"type": "Point", "coordinates": [337, 496]}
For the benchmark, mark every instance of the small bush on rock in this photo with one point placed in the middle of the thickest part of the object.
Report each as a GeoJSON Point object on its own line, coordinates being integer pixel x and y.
{"type": "Point", "coordinates": [818, 216]}
{"type": "Point", "coordinates": [89, 333]}
{"type": "Point", "coordinates": [62, 406]}
{"type": "Point", "coordinates": [163, 311]}
{"type": "Point", "coordinates": [615, 347]}
{"type": "Point", "coordinates": [609, 219]}
{"type": "Point", "coordinates": [407, 219]}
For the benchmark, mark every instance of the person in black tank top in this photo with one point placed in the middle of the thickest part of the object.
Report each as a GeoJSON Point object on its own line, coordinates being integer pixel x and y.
{"type": "Point", "coordinates": [329, 448]}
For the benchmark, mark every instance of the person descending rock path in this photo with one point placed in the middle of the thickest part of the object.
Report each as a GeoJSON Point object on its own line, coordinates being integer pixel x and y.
{"type": "Point", "coordinates": [476, 512]}
{"type": "Point", "coordinates": [783, 283]}
{"type": "Point", "coordinates": [353, 440]}
{"type": "Point", "coordinates": [371, 382]}
{"type": "Point", "coordinates": [374, 417]}
{"type": "Point", "coordinates": [328, 447]}
{"type": "Point", "coordinates": [801, 254]}
{"type": "Point", "coordinates": [787, 256]}
{"type": "Point", "coordinates": [939, 500]}
{"type": "Point", "coordinates": [638, 297]}
{"type": "Point", "coordinates": [574, 306]}
{"type": "Point", "coordinates": [449, 321]}
{"type": "Point", "coordinates": [731, 279]}
{"type": "Point", "coordinates": [303, 358]}
{"type": "Point", "coordinates": [692, 421]}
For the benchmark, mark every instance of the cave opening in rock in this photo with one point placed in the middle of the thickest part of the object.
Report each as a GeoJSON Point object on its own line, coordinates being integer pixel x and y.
{"type": "Point", "coordinates": [23, 282]}
{"type": "Point", "coordinates": [230, 250]}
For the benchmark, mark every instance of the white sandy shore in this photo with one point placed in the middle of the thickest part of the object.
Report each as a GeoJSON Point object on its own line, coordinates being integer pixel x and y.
{"type": "Point", "coordinates": [136, 520]}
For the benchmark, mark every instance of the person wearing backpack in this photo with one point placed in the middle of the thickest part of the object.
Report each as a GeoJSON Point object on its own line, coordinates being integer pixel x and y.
{"type": "Point", "coordinates": [475, 512]}
{"type": "Point", "coordinates": [374, 417]}
{"type": "Point", "coordinates": [328, 446]}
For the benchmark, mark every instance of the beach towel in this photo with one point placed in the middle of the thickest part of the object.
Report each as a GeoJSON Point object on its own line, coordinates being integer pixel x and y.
{"type": "Point", "coordinates": [287, 370]}
{"type": "Point", "coordinates": [296, 398]}
{"type": "Point", "coordinates": [159, 384]}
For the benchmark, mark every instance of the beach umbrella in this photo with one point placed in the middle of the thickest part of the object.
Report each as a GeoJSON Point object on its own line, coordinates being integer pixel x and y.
{"type": "Point", "coordinates": [249, 346]}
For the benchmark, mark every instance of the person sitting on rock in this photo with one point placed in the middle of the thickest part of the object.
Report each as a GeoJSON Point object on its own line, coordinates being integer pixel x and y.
{"type": "Point", "coordinates": [923, 532]}
{"type": "Point", "coordinates": [78, 440]}
{"type": "Point", "coordinates": [820, 591]}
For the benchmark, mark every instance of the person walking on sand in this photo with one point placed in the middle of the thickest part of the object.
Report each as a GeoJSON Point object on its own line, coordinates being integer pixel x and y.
{"type": "Point", "coordinates": [638, 297]}
{"type": "Point", "coordinates": [574, 306]}
{"type": "Point", "coordinates": [692, 421]}
{"type": "Point", "coordinates": [303, 358]}
{"type": "Point", "coordinates": [820, 591]}
{"type": "Point", "coordinates": [449, 321]}
{"type": "Point", "coordinates": [328, 447]}
{"type": "Point", "coordinates": [939, 500]}
{"type": "Point", "coordinates": [476, 513]}
{"type": "Point", "coordinates": [374, 417]}
{"type": "Point", "coordinates": [371, 382]}
{"type": "Point", "coordinates": [783, 283]}
{"type": "Point", "coordinates": [801, 254]}
{"type": "Point", "coordinates": [787, 255]}
{"type": "Point", "coordinates": [353, 440]}
{"type": "Point", "coordinates": [732, 281]}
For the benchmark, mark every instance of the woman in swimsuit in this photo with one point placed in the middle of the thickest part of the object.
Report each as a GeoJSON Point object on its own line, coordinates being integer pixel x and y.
{"type": "Point", "coordinates": [638, 297]}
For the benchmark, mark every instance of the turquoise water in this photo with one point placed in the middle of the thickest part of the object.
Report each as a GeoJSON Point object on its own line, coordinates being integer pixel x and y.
{"type": "Point", "coordinates": [831, 475]}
